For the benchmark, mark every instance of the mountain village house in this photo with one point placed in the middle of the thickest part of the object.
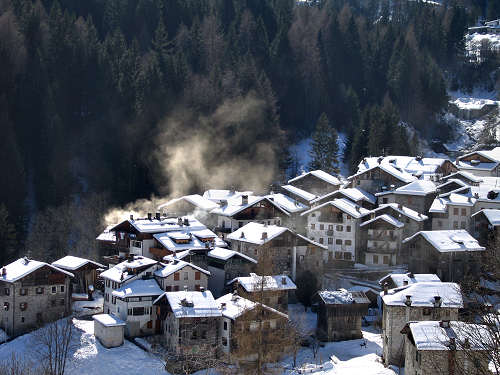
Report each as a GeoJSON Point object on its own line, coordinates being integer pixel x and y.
{"type": "Point", "coordinates": [398, 280]}
{"type": "Point", "coordinates": [271, 291]}
{"type": "Point", "coordinates": [339, 314]}
{"type": "Point", "coordinates": [417, 195]}
{"type": "Point", "coordinates": [450, 254]}
{"type": "Point", "coordinates": [486, 225]}
{"type": "Point", "coordinates": [336, 225]}
{"type": "Point", "coordinates": [84, 271]}
{"type": "Point", "coordinates": [413, 221]}
{"type": "Point", "coordinates": [179, 275]}
{"type": "Point", "coordinates": [415, 302]}
{"type": "Point", "coordinates": [287, 252]}
{"type": "Point", "coordinates": [298, 194]}
{"type": "Point", "coordinates": [32, 293]}
{"type": "Point", "coordinates": [356, 195]}
{"type": "Point", "coordinates": [481, 163]}
{"type": "Point", "coordinates": [316, 182]}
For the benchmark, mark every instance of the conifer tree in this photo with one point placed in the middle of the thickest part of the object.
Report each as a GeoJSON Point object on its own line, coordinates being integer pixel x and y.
{"type": "Point", "coordinates": [324, 148]}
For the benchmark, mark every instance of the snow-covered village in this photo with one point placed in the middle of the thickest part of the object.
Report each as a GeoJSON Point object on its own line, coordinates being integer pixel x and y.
{"type": "Point", "coordinates": [250, 187]}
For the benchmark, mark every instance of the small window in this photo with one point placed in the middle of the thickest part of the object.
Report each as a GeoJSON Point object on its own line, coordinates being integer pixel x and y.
{"type": "Point", "coordinates": [224, 341]}
{"type": "Point", "coordinates": [348, 228]}
{"type": "Point", "coordinates": [462, 225]}
{"type": "Point", "coordinates": [52, 302]}
{"type": "Point", "coordinates": [330, 240]}
{"type": "Point", "coordinates": [176, 276]}
{"type": "Point", "coordinates": [330, 227]}
{"type": "Point", "coordinates": [348, 242]}
{"type": "Point", "coordinates": [440, 223]}
{"type": "Point", "coordinates": [225, 326]}
{"type": "Point", "coordinates": [386, 259]}
{"type": "Point", "coordinates": [197, 287]}
{"type": "Point", "coordinates": [186, 276]}
{"type": "Point", "coordinates": [22, 319]}
{"type": "Point", "coordinates": [23, 306]}
{"type": "Point", "coordinates": [384, 200]}
{"type": "Point", "coordinates": [455, 225]}
{"type": "Point", "coordinates": [23, 292]}
{"type": "Point", "coordinates": [455, 211]}
{"type": "Point", "coordinates": [61, 289]}
{"type": "Point", "coordinates": [39, 290]}
{"type": "Point", "coordinates": [150, 324]}
{"type": "Point", "coordinates": [197, 275]}
{"type": "Point", "coordinates": [338, 255]}
{"type": "Point", "coordinates": [464, 212]}
{"type": "Point", "coordinates": [338, 241]}
{"type": "Point", "coordinates": [54, 290]}
{"type": "Point", "coordinates": [7, 291]}
{"type": "Point", "coordinates": [321, 227]}
{"type": "Point", "coordinates": [339, 228]}
{"type": "Point", "coordinates": [176, 288]}
{"type": "Point", "coordinates": [313, 215]}
{"type": "Point", "coordinates": [375, 259]}
{"type": "Point", "coordinates": [61, 302]}
{"type": "Point", "coordinates": [313, 226]}
{"type": "Point", "coordinates": [168, 288]}
{"type": "Point", "coordinates": [113, 300]}
{"type": "Point", "coordinates": [321, 240]}
{"type": "Point", "coordinates": [427, 311]}
{"type": "Point", "coordinates": [347, 256]}
{"type": "Point", "coordinates": [6, 306]}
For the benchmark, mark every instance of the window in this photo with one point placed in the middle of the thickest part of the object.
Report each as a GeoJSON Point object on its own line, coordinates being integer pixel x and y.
{"type": "Point", "coordinates": [330, 227]}
{"type": "Point", "coordinates": [338, 241]}
{"type": "Point", "coordinates": [375, 259]}
{"type": "Point", "coordinates": [455, 225]}
{"type": "Point", "coordinates": [197, 275]}
{"type": "Point", "coordinates": [426, 311]}
{"type": "Point", "coordinates": [339, 228]}
{"type": "Point", "coordinates": [186, 276]}
{"type": "Point", "coordinates": [462, 224]}
{"type": "Point", "coordinates": [358, 182]}
{"type": "Point", "coordinates": [23, 291]}
{"type": "Point", "coordinates": [348, 242]}
{"type": "Point", "coordinates": [348, 228]}
{"type": "Point", "coordinates": [224, 341]}
{"type": "Point", "coordinates": [138, 311]}
{"type": "Point", "coordinates": [225, 326]}
{"type": "Point", "coordinates": [6, 306]}
{"type": "Point", "coordinates": [384, 200]}
{"type": "Point", "coordinates": [113, 300]}
{"type": "Point", "coordinates": [321, 240]}
{"type": "Point", "coordinates": [321, 227]}
{"type": "Point", "coordinates": [54, 291]}
{"type": "Point", "coordinates": [7, 291]}
{"type": "Point", "coordinates": [464, 212]}
{"type": "Point", "coordinates": [240, 224]}
{"type": "Point", "coordinates": [39, 290]}
{"type": "Point", "coordinates": [61, 288]}
{"type": "Point", "coordinates": [313, 226]}
{"type": "Point", "coordinates": [176, 276]}
{"type": "Point", "coordinates": [22, 319]}
{"type": "Point", "coordinates": [330, 240]}
{"type": "Point", "coordinates": [455, 211]}
{"type": "Point", "coordinates": [313, 215]}
{"type": "Point", "coordinates": [386, 259]}
{"type": "Point", "coordinates": [176, 288]}
{"type": "Point", "coordinates": [23, 306]}
{"type": "Point", "coordinates": [338, 255]}
{"type": "Point", "coordinates": [150, 324]}
{"type": "Point", "coordinates": [347, 256]}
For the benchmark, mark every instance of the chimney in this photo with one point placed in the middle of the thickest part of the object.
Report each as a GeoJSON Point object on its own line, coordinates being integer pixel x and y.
{"type": "Point", "coordinates": [410, 275]}
{"type": "Point", "coordinates": [444, 324]}
{"type": "Point", "coordinates": [244, 200]}
{"type": "Point", "coordinates": [176, 261]}
{"type": "Point", "coordinates": [185, 288]}
{"type": "Point", "coordinates": [437, 301]}
{"type": "Point", "coordinates": [242, 235]}
{"type": "Point", "coordinates": [158, 216]}
{"type": "Point", "coordinates": [26, 260]}
{"type": "Point", "coordinates": [179, 221]}
{"type": "Point", "coordinates": [223, 305]}
{"type": "Point", "coordinates": [202, 289]}
{"type": "Point", "coordinates": [283, 280]}
{"type": "Point", "coordinates": [386, 288]}
{"type": "Point", "coordinates": [4, 271]}
{"type": "Point", "coordinates": [405, 282]}
{"type": "Point", "coordinates": [186, 222]}
{"type": "Point", "coordinates": [131, 217]}
{"type": "Point", "coordinates": [264, 236]}
{"type": "Point", "coordinates": [234, 297]}
{"type": "Point", "coordinates": [150, 216]}
{"type": "Point", "coordinates": [408, 301]}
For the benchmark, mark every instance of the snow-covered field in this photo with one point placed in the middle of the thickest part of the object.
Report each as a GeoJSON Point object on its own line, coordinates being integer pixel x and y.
{"type": "Point", "coordinates": [89, 357]}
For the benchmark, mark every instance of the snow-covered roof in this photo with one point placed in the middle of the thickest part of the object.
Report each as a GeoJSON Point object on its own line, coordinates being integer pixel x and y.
{"type": "Point", "coordinates": [115, 273]}
{"type": "Point", "coordinates": [336, 297]}
{"type": "Point", "coordinates": [218, 195]}
{"type": "Point", "coordinates": [175, 266]}
{"type": "Point", "coordinates": [109, 320]}
{"type": "Point", "coordinates": [434, 335]}
{"type": "Point", "coordinates": [233, 306]}
{"type": "Point", "coordinates": [168, 239]}
{"type": "Point", "coordinates": [422, 295]}
{"type": "Point", "coordinates": [318, 174]}
{"type": "Point", "coordinates": [449, 240]}
{"type": "Point", "coordinates": [163, 225]}
{"type": "Point", "coordinates": [387, 218]}
{"type": "Point", "coordinates": [23, 267]}
{"type": "Point", "coordinates": [139, 288]}
{"type": "Point", "coordinates": [72, 263]}
{"type": "Point", "coordinates": [399, 279]}
{"type": "Point", "coordinates": [255, 233]}
{"type": "Point", "coordinates": [236, 205]}
{"type": "Point", "coordinates": [439, 204]}
{"type": "Point", "coordinates": [177, 255]}
{"type": "Point", "coordinates": [192, 304]}
{"type": "Point", "coordinates": [403, 210]}
{"type": "Point", "coordinates": [195, 199]}
{"type": "Point", "coordinates": [299, 192]}
{"type": "Point", "coordinates": [3, 336]}
{"type": "Point", "coordinates": [107, 235]}
{"type": "Point", "coordinates": [452, 180]}
{"type": "Point", "coordinates": [354, 194]}
{"type": "Point", "coordinates": [492, 215]}
{"type": "Point", "coordinates": [390, 169]}
{"type": "Point", "coordinates": [287, 203]}
{"type": "Point", "coordinates": [419, 187]}
{"type": "Point", "coordinates": [225, 254]}
{"type": "Point", "coordinates": [467, 175]}
{"type": "Point", "coordinates": [255, 283]}
{"type": "Point", "coordinates": [492, 155]}
{"type": "Point", "coordinates": [472, 103]}
{"type": "Point", "coordinates": [345, 205]}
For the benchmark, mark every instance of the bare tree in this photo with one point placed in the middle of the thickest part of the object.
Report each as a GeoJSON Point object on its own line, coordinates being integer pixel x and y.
{"type": "Point", "coordinates": [18, 366]}
{"type": "Point", "coordinates": [54, 345]}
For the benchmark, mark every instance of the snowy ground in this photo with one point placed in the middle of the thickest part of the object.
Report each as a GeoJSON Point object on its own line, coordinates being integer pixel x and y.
{"type": "Point", "coordinates": [89, 357]}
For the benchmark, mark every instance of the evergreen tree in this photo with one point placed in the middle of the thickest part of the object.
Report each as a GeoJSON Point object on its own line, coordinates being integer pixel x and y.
{"type": "Point", "coordinates": [7, 236]}
{"type": "Point", "coordinates": [324, 148]}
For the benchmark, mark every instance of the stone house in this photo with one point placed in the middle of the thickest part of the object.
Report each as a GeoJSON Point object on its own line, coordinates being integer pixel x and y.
{"type": "Point", "coordinates": [135, 267]}
{"type": "Point", "coordinates": [335, 224]}
{"type": "Point", "coordinates": [398, 280]}
{"type": "Point", "coordinates": [177, 275]}
{"type": "Point", "coordinates": [32, 293]}
{"type": "Point", "coordinates": [84, 271]}
{"type": "Point", "coordinates": [480, 163]}
{"type": "Point", "coordinates": [317, 182]}
{"type": "Point", "coordinates": [417, 195]}
{"type": "Point", "coordinates": [339, 314]}
{"type": "Point", "coordinates": [450, 254]}
{"type": "Point", "coordinates": [440, 347]}
{"type": "Point", "coordinates": [225, 265]}
{"type": "Point", "coordinates": [271, 291]}
{"type": "Point", "coordinates": [382, 238]}
{"type": "Point", "coordinates": [190, 322]}
{"type": "Point", "coordinates": [381, 177]}
{"type": "Point", "coordinates": [452, 211]}
{"type": "Point", "coordinates": [486, 226]}
{"type": "Point", "coordinates": [241, 317]}
{"type": "Point", "coordinates": [294, 221]}
{"type": "Point", "coordinates": [356, 195]}
{"type": "Point", "coordinates": [298, 194]}
{"type": "Point", "coordinates": [414, 302]}
{"type": "Point", "coordinates": [289, 252]}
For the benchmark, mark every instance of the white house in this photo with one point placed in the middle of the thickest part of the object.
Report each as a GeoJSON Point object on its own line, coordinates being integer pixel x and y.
{"type": "Point", "coordinates": [179, 275]}
{"type": "Point", "coordinates": [480, 163]}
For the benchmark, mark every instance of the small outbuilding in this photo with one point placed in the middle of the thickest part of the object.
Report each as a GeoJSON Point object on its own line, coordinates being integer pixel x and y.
{"type": "Point", "coordinates": [109, 330]}
{"type": "Point", "coordinates": [85, 271]}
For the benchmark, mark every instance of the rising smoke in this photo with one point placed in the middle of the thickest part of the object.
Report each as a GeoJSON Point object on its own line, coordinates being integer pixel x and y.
{"type": "Point", "coordinates": [236, 146]}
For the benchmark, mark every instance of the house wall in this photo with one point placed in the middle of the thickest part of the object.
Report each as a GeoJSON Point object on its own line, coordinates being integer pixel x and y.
{"type": "Point", "coordinates": [41, 307]}
{"type": "Point", "coordinates": [373, 180]}
{"type": "Point", "coordinates": [231, 224]}
{"type": "Point", "coordinates": [394, 319]}
{"type": "Point", "coordinates": [277, 299]}
{"type": "Point", "coordinates": [222, 272]}
{"type": "Point", "coordinates": [340, 322]}
{"type": "Point", "coordinates": [382, 244]}
{"type": "Point", "coordinates": [187, 278]}
{"type": "Point", "coordinates": [109, 337]}
{"type": "Point", "coordinates": [314, 185]}
{"type": "Point", "coordinates": [137, 325]}
{"type": "Point", "coordinates": [458, 217]}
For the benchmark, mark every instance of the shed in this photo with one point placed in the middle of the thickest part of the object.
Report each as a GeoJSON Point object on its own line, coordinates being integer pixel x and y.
{"type": "Point", "coordinates": [109, 330]}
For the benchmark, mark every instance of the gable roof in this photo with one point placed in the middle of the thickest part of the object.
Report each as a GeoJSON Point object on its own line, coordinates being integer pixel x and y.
{"type": "Point", "coordinates": [410, 165]}
{"type": "Point", "coordinates": [492, 215]}
{"type": "Point", "coordinates": [342, 297]}
{"type": "Point", "coordinates": [387, 218]}
{"type": "Point", "coordinates": [232, 306]}
{"type": "Point", "coordinates": [451, 181]}
{"type": "Point", "coordinates": [449, 240]}
{"type": "Point", "coordinates": [115, 273]}
{"type": "Point", "coordinates": [253, 233]}
{"type": "Point", "coordinates": [355, 194]}
{"type": "Point", "coordinates": [399, 279]}
{"type": "Point", "coordinates": [200, 304]}
{"type": "Point", "coordinates": [287, 203]}
{"type": "Point", "coordinates": [195, 199]}
{"type": "Point", "coordinates": [322, 175]}
{"type": "Point", "coordinates": [163, 225]}
{"type": "Point", "coordinates": [299, 192]}
{"type": "Point", "coordinates": [492, 155]}
{"type": "Point", "coordinates": [138, 288]}
{"type": "Point", "coordinates": [467, 175]}
{"type": "Point", "coordinates": [167, 239]}
{"type": "Point", "coordinates": [236, 205]}
{"type": "Point", "coordinates": [403, 210]}
{"type": "Point", "coordinates": [72, 263]}
{"type": "Point", "coordinates": [345, 205]}
{"type": "Point", "coordinates": [175, 266]}
{"type": "Point", "coordinates": [255, 283]}
{"type": "Point", "coordinates": [219, 195]}
{"type": "Point", "coordinates": [422, 295]}
{"type": "Point", "coordinates": [23, 267]}
{"type": "Point", "coordinates": [225, 254]}
{"type": "Point", "coordinates": [419, 187]}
